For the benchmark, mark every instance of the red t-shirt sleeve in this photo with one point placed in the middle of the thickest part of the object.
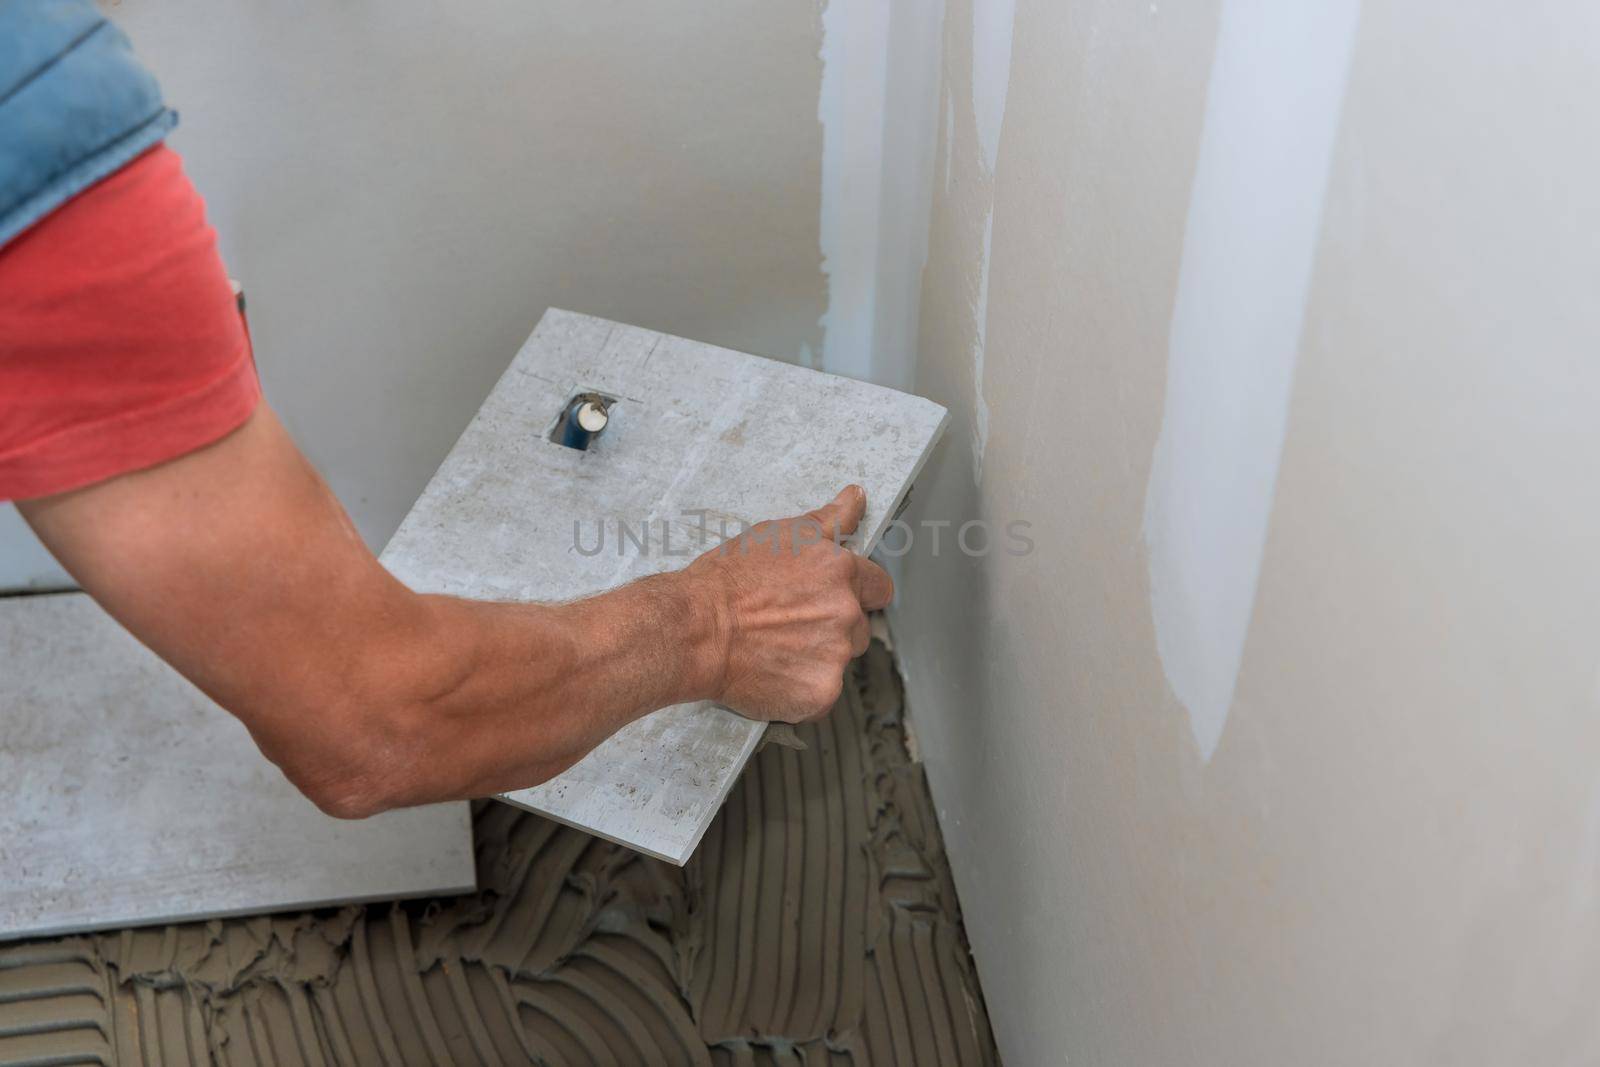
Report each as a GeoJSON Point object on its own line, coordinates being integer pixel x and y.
{"type": "Point", "coordinates": [121, 345]}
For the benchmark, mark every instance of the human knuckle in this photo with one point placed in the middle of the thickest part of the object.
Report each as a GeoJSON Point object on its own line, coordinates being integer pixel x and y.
{"type": "Point", "coordinates": [845, 608]}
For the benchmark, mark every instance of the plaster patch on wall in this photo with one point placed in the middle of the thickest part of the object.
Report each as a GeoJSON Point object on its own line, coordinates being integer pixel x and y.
{"type": "Point", "coordinates": [850, 107]}
{"type": "Point", "coordinates": [910, 166]}
{"type": "Point", "coordinates": [980, 334]}
{"type": "Point", "coordinates": [992, 25]}
{"type": "Point", "coordinates": [1272, 112]}
{"type": "Point", "coordinates": [949, 138]}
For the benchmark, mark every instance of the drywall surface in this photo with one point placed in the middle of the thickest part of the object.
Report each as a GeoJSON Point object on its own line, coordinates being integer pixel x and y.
{"type": "Point", "coordinates": [1369, 404]}
{"type": "Point", "coordinates": [819, 926]}
{"type": "Point", "coordinates": [403, 187]}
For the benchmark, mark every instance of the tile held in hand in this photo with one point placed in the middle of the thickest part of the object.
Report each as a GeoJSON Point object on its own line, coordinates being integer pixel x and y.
{"type": "Point", "coordinates": [696, 438]}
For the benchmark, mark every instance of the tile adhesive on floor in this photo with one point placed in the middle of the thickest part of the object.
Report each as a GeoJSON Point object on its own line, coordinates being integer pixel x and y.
{"type": "Point", "coordinates": [127, 796]}
{"type": "Point", "coordinates": [700, 439]}
{"type": "Point", "coordinates": [817, 924]}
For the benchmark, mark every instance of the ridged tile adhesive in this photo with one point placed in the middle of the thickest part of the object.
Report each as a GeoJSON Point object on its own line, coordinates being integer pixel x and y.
{"type": "Point", "coordinates": [816, 925]}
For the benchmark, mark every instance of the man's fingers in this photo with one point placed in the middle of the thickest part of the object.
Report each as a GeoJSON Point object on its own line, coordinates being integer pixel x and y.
{"type": "Point", "coordinates": [843, 512]}
{"type": "Point", "coordinates": [874, 587]}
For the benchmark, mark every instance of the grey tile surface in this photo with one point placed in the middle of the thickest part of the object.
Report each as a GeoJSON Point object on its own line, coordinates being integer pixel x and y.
{"type": "Point", "coordinates": [511, 515]}
{"type": "Point", "coordinates": [128, 797]}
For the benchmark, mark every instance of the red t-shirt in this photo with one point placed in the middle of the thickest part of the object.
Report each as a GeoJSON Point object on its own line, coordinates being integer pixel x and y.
{"type": "Point", "coordinates": [121, 345]}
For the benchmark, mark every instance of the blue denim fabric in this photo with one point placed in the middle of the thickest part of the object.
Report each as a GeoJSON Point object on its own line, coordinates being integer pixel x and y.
{"type": "Point", "coordinates": [75, 105]}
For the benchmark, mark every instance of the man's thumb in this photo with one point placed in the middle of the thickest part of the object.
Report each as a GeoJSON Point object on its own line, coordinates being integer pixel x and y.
{"type": "Point", "coordinates": [843, 512]}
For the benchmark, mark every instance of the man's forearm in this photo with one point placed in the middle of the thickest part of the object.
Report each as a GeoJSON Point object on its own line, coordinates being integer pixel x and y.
{"type": "Point", "coordinates": [238, 567]}
{"type": "Point", "coordinates": [523, 691]}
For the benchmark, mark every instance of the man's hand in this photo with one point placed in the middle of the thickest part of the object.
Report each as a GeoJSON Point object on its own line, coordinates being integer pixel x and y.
{"type": "Point", "coordinates": [791, 606]}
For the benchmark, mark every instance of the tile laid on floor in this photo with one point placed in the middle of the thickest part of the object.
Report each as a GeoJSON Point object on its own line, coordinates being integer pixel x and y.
{"type": "Point", "coordinates": [128, 797]}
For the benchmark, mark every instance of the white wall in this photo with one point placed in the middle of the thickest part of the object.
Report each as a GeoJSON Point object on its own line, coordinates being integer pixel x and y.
{"type": "Point", "coordinates": [405, 186]}
{"type": "Point", "coordinates": [1279, 324]}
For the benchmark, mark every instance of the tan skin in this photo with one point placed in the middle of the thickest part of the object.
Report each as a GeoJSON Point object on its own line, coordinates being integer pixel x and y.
{"type": "Point", "coordinates": [238, 566]}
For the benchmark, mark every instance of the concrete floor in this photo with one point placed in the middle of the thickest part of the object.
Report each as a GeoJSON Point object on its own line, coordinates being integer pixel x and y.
{"type": "Point", "coordinates": [817, 923]}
